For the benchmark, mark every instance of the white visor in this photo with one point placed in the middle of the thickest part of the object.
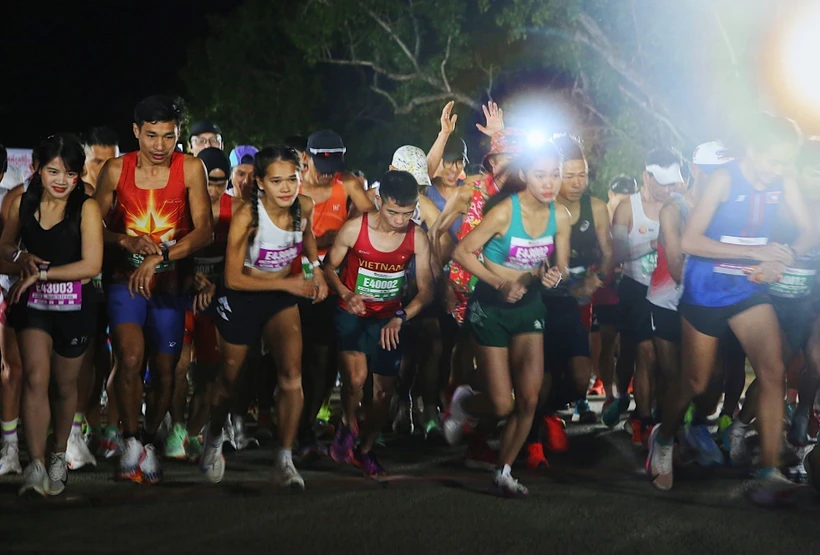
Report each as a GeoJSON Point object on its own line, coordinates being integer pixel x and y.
{"type": "Point", "coordinates": [666, 176]}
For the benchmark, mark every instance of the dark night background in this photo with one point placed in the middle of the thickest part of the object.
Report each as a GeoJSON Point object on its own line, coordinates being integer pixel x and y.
{"type": "Point", "coordinates": [74, 65]}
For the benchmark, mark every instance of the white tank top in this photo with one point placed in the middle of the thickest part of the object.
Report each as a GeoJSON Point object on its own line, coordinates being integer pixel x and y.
{"type": "Point", "coordinates": [642, 258]}
{"type": "Point", "coordinates": [273, 249]}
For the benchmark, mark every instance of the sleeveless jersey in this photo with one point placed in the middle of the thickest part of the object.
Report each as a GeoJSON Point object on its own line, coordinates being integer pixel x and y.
{"type": "Point", "coordinates": [439, 200]}
{"type": "Point", "coordinates": [746, 218]}
{"type": "Point", "coordinates": [274, 249]}
{"type": "Point", "coordinates": [331, 214]}
{"type": "Point", "coordinates": [376, 274]}
{"type": "Point", "coordinates": [664, 291]}
{"type": "Point", "coordinates": [642, 259]}
{"type": "Point", "coordinates": [516, 249]}
{"type": "Point", "coordinates": [211, 260]}
{"type": "Point", "coordinates": [585, 253]}
{"type": "Point", "coordinates": [463, 279]}
{"type": "Point", "coordinates": [162, 215]}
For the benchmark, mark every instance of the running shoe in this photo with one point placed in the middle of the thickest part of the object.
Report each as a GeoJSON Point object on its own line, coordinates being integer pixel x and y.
{"type": "Point", "coordinates": [504, 485]}
{"type": "Point", "coordinates": [636, 430]}
{"type": "Point", "coordinates": [35, 479]}
{"type": "Point", "coordinates": [77, 453]}
{"type": "Point", "coordinates": [555, 434]}
{"type": "Point", "coordinates": [481, 456]}
{"type": "Point", "coordinates": [403, 422]}
{"type": "Point", "coordinates": [341, 450]}
{"type": "Point", "coordinates": [194, 449]}
{"type": "Point", "coordinates": [212, 462]}
{"type": "Point", "coordinates": [772, 488]}
{"type": "Point", "coordinates": [612, 413]}
{"type": "Point", "coordinates": [597, 389]}
{"type": "Point", "coordinates": [432, 430]}
{"type": "Point", "coordinates": [131, 457]}
{"type": "Point", "coordinates": [535, 456]}
{"type": "Point", "coordinates": [811, 464]}
{"type": "Point", "coordinates": [689, 416]}
{"type": "Point", "coordinates": [738, 450]}
{"type": "Point", "coordinates": [455, 417]}
{"type": "Point", "coordinates": [10, 458]}
{"type": "Point", "coordinates": [111, 443]}
{"type": "Point", "coordinates": [285, 475]}
{"type": "Point", "coordinates": [708, 452]}
{"type": "Point", "coordinates": [724, 423]}
{"type": "Point", "coordinates": [368, 463]}
{"type": "Point", "coordinates": [798, 434]}
{"type": "Point", "coordinates": [584, 412]}
{"type": "Point", "coordinates": [57, 473]}
{"type": "Point", "coordinates": [175, 443]}
{"type": "Point", "coordinates": [324, 413]}
{"type": "Point", "coordinates": [150, 467]}
{"type": "Point", "coordinates": [234, 433]}
{"type": "Point", "coordinates": [798, 472]}
{"type": "Point", "coordinates": [659, 466]}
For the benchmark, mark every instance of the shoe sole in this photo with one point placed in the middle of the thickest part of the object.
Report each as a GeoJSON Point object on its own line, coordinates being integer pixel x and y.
{"type": "Point", "coordinates": [29, 491]}
{"type": "Point", "coordinates": [5, 472]}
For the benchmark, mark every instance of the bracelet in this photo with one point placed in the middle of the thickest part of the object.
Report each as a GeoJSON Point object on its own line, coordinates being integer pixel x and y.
{"type": "Point", "coordinates": [16, 255]}
{"type": "Point", "coordinates": [315, 264]}
{"type": "Point", "coordinates": [503, 283]}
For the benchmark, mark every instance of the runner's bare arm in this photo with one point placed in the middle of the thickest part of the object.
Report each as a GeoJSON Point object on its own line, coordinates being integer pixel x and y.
{"type": "Point", "coordinates": [495, 222]}
{"type": "Point", "coordinates": [196, 181]}
{"type": "Point", "coordinates": [457, 205]}
{"type": "Point", "coordinates": [354, 189]}
{"type": "Point", "coordinates": [345, 240]}
{"type": "Point", "coordinates": [808, 232]}
{"type": "Point", "coordinates": [104, 195]}
{"type": "Point", "coordinates": [310, 249]}
{"type": "Point", "coordinates": [448, 125]}
{"type": "Point", "coordinates": [91, 232]}
{"type": "Point", "coordinates": [563, 230]}
{"type": "Point", "coordinates": [621, 225]}
{"type": "Point", "coordinates": [604, 235]}
{"type": "Point", "coordinates": [429, 214]}
{"type": "Point", "coordinates": [424, 275]}
{"type": "Point", "coordinates": [670, 238]}
{"type": "Point", "coordinates": [11, 233]}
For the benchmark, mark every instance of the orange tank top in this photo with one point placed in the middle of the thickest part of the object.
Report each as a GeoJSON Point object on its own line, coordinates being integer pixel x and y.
{"type": "Point", "coordinates": [162, 215]}
{"type": "Point", "coordinates": [331, 214]}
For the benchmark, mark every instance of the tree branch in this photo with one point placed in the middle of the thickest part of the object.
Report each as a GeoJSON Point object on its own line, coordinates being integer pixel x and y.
{"type": "Point", "coordinates": [444, 63]}
{"type": "Point", "coordinates": [417, 47]}
{"type": "Point", "coordinates": [376, 89]}
{"type": "Point", "coordinates": [372, 65]}
{"type": "Point", "coordinates": [389, 30]}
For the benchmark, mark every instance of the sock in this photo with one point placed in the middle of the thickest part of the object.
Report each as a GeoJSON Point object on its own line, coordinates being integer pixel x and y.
{"type": "Point", "coordinates": [9, 431]}
{"type": "Point", "coordinates": [285, 455]}
{"type": "Point", "coordinates": [506, 470]}
{"type": "Point", "coordinates": [77, 425]}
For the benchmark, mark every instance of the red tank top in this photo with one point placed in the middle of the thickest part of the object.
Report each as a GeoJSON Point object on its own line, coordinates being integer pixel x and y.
{"type": "Point", "coordinates": [211, 260]}
{"type": "Point", "coordinates": [376, 274]}
{"type": "Point", "coordinates": [160, 214]}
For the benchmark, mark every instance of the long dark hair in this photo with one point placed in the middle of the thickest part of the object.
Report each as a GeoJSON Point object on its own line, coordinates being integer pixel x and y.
{"type": "Point", "coordinates": [263, 159]}
{"type": "Point", "coordinates": [67, 148]}
{"type": "Point", "coordinates": [522, 163]}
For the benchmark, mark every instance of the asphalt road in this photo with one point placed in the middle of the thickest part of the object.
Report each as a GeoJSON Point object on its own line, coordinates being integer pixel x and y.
{"type": "Point", "coordinates": [594, 499]}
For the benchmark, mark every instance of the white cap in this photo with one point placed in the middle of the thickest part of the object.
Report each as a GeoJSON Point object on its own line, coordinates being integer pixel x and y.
{"type": "Point", "coordinates": [713, 153]}
{"type": "Point", "coordinates": [413, 160]}
{"type": "Point", "coordinates": [666, 176]}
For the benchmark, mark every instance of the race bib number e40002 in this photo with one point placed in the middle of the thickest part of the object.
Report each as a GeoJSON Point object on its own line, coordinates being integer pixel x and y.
{"type": "Point", "coordinates": [380, 286]}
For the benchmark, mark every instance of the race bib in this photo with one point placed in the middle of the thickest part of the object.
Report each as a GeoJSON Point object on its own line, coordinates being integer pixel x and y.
{"type": "Point", "coordinates": [58, 296]}
{"type": "Point", "coordinates": [307, 269]}
{"type": "Point", "coordinates": [794, 284]}
{"type": "Point", "coordinates": [649, 262]}
{"type": "Point", "coordinates": [527, 254]}
{"type": "Point", "coordinates": [275, 259]}
{"type": "Point", "coordinates": [381, 286]}
{"type": "Point", "coordinates": [211, 266]}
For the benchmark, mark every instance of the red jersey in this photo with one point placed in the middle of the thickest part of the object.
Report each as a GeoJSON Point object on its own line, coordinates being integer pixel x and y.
{"type": "Point", "coordinates": [162, 215]}
{"type": "Point", "coordinates": [376, 274]}
{"type": "Point", "coordinates": [211, 260]}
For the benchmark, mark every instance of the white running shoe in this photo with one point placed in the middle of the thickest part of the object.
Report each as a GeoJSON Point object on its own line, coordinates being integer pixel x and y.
{"type": "Point", "coordinates": [455, 417]}
{"type": "Point", "coordinates": [35, 479]}
{"type": "Point", "coordinates": [57, 473]}
{"type": "Point", "coordinates": [131, 456]}
{"type": "Point", "coordinates": [285, 475]}
{"type": "Point", "coordinates": [738, 450]}
{"type": "Point", "coordinates": [507, 486]}
{"type": "Point", "coordinates": [111, 444]}
{"type": "Point", "coordinates": [774, 489]}
{"type": "Point", "coordinates": [212, 462]}
{"type": "Point", "coordinates": [77, 453]}
{"type": "Point", "coordinates": [234, 433]}
{"type": "Point", "coordinates": [659, 462]}
{"type": "Point", "coordinates": [403, 422]}
{"type": "Point", "coordinates": [10, 458]}
{"type": "Point", "coordinates": [150, 467]}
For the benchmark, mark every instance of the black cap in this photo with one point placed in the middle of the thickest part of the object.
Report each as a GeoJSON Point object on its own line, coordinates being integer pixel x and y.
{"type": "Point", "coordinates": [623, 185]}
{"type": "Point", "coordinates": [203, 126]}
{"type": "Point", "coordinates": [215, 159]}
{"type": "Point", "coordinates": [455, 149]}
{"type": "Point", "coordinates": [327, 151]}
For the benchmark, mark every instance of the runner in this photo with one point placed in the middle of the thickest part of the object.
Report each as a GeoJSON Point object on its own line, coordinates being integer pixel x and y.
{"type": "Point", "coordinates": [730, 226]}
{"type": "Point", "coordinates": [62, 235]}
{"type": "Point", "coordinates": [260, 298]}
{"type": "Point", "coordinates": [204, 134]}
{"type": "Point", "coordinates": [162, 215]}
{"type": "Point", "coordinates": [375, 249]}
{"type": "Point", "coordinates": [101, 144]}
{"type": "Point", "coordinates": [336, 194]}
{"type": "Point", "coordinates": [569, 309]}
{"type": "Point", "coordinates": [242, 179]}
{"type": "Point", "coordinates": [519, 232]}
{"type": "Point", "coordinates": [635, 232]}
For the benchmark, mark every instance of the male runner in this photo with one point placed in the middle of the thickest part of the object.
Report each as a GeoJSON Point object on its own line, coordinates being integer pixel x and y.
{"type": "Point", "coordinates": [101, 144]}
{"type": "Point", "coordinates": [204, 134]}
{"type": "Point", "coordinates": [242, 178]}
{"type": "Point", "coordinates": [336, 193]}
{"type": "Point", "coordinates": [375, 249]}
{"type": "Point", "coordinates": [162, 215]}
{"type": "Point", "coordinates": [635, 232]}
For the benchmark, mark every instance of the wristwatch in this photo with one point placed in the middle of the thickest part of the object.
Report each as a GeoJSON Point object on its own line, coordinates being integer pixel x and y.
{"type": "Point", "coordinates": [43, 272]}
{"type": "Point", "coordinates": [402, 315]}
{"type": "Point", "coordinates": [164, 250]}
